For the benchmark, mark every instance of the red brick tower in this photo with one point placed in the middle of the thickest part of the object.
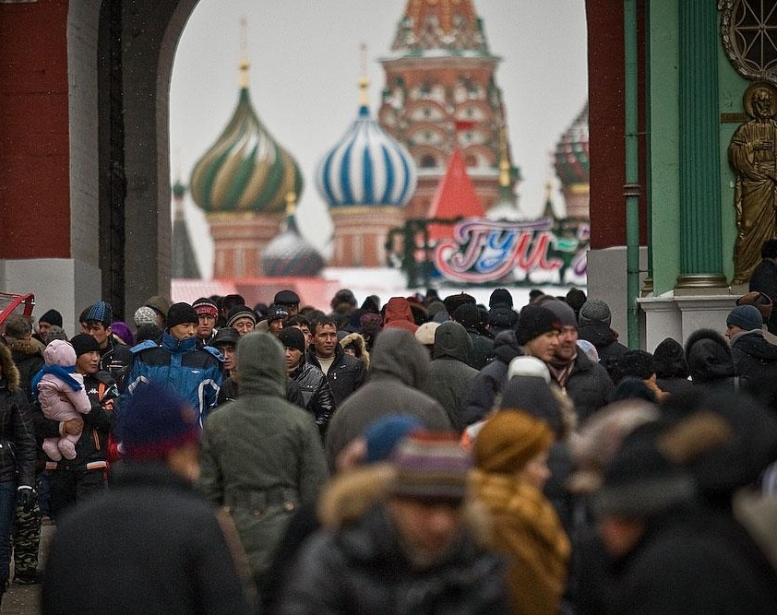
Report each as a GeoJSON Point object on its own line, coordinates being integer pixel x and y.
{"type": "Point", "coordinates": [441, 93]}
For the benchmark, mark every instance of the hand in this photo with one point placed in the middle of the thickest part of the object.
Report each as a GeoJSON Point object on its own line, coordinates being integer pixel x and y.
{"type": "Point", "coordinates": [25, 497]}
{"type": "Point", "coordinates": [74, 427]}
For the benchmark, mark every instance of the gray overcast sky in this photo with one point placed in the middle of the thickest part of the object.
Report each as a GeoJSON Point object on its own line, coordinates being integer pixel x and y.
{"type": "Point", "coordinates": [305, 64]}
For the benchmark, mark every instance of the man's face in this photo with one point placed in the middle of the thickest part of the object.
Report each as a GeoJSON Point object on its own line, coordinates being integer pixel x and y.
{"type": "Point", "coordinates": [43, 330]}
{"type": "Point", "coordinates": [762, 104]}
{"type": "Point", "coordinates": [732, 330]}
{"type": "Point", "coordinates": [325, 340]}
{"type": "Point", "coordinates": [306, 332]}
{"type": "Point", "coordinates": [243, 325]}
{"type": "Point", "coordinates": [543, 346]}
{"type": "Point", "coordinates": [229, 353]}
{"type": "Point", "coordinates": [88, 363]}
{"type": "Point", "coordinates": [205, 325]}
{"type": "Point", "coordinates": [292, 358]}
{"type": "Point", "coordinates": [567, 343]}
{"type": "Point", "coordinates": [427, 528]}
{"type": "Point", "coordinates": [183, 331]}
{"type": "Point", "coordinates": [99, 332]}
{"type": "Point", "coordinates": [275, 326]}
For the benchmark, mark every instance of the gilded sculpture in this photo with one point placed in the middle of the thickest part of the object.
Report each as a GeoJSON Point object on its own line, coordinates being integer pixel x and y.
{"type": "Point", "coordinates": [752, 155]}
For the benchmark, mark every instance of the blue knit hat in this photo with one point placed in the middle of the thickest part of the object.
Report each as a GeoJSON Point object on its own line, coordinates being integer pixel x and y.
{"type": "Point", "coordinates": [156, 421]}
{"type": "Point", "coordinates": [746, 317]}
{"type": "Point", "coordinates": [384, 434]}
{"type": "Point", "coordinates": [101, 312]}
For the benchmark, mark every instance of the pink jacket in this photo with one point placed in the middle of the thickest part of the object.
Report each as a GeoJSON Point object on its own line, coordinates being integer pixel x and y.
{"type": "Point", "coordinates": [58, 400]}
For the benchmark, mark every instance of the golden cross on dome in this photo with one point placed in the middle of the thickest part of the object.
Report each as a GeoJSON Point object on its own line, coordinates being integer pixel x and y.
{"type": "Point", "coordinates": [364, 82]}
{"type": "Point", "coordinates": [244, 63]}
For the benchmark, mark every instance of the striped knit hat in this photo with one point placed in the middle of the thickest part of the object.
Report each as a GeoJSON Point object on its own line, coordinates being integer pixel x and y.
{"type": "Point", "coordinates": [430, 465]}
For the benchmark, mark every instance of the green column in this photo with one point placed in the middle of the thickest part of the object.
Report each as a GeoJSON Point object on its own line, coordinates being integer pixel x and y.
{"type": "Point", "coordinates": [701, 246]}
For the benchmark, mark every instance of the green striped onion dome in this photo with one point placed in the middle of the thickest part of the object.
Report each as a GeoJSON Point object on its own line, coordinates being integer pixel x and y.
{"type": "Point", "coordinates": [245, 169]}
{"type": "Point", "coordinates": [572, 163]}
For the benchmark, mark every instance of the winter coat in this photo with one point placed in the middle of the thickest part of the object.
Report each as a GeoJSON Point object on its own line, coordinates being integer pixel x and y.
{"type": "Point", "coordinates": [694, 561]}
{"type": "Point", "coordinates": [755, 361]}
{"type": "Point", "coordinates": [17, 437]}
{"type": "Point", "coordinates": [230, 390]}
{"type": "Point", "coordinates": [358, 339]}
{"type": "Point", "coordinates": [482, 350]}
{"type": "Point", "coordinates": [261, 456]}
{"type": "Point", "coordinates": [92, 447]}
{"type": "Point", "coordinates": [606, 342]}
{"type": "Point", "coordinates": [398, 372]}
{"type": "Point", "coordinates": [149, 545]}
{"type": "Point", "coordinates": [358, 566]}
{"type": "Point", "coordinates": [345, 375]}
{"type": "Point", "coordinates": [491, 379]}
{"type": "Point", "coordinates": [589, 386]}
{"type": "Point", "coordinates": [178, 365]}
{"type": "Point", "coordinates": [399, 315]}
{"type": "Point", "coordinates": [317, 393]}
{"type": "Point", "coordinates": [29, 361]}
{"type": "Point", "coordinates": [116, 359]}
{"type": "Point", "coordinates": [450, 377]}
{"type": "Point", "coordinates": [764, 279]}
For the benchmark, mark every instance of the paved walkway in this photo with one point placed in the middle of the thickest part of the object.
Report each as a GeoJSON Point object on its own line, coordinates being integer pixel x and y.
{"type": "Point", "coordinates": [23, 599]}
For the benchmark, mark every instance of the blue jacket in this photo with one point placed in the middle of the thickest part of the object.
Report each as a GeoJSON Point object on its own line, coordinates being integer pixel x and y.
{"type": "Point", "coordinates": [193, 373]}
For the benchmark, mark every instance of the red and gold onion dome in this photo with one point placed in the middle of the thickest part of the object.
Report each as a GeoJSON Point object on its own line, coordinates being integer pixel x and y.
{"type": "Point", "coordinates": [573, 167]}
{"type": "Point", "coordinates": [289, 253]}
{"type": "Point", "coordinates": [241, 183]}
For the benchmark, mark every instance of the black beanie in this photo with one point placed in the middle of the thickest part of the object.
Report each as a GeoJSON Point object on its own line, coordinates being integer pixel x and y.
{"type": "Point", "coordinates": [291, 337]}
{"type": "Point", "coordinates": [52, 317]}
{"type": "Point", "coordinates": [467, 315]}
{"type": "Point", "coordinates": [83, 343]}
{"type": "Point", "coordinates": [180, 313]}
{"type": "Point", "coordinates": [535, 320]}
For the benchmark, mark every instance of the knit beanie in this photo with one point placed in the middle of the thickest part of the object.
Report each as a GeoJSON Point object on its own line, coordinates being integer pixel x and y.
{"type": "Point", "coordinates": [535, 320]}
{"type": "Point", "coordinates": [277, 312]}
{"type": "Point", "coordinates": [52, 317]}
{"type": "Point", "coordinates": [144, 316]}
{"type": "Point", "coordinates": [240, 311]}
{"type": "Point", "coordinates": [203, 305]}
{"type": "Point", "coordinates": [181, 313]}
{"type": "Point", "coordinates": [156, 421]}
{"type": "Point", "coordinates": [384, 434]}
{"type": "Point", "coordinates": [501, 297]}
{"type": "Point", "coordinates": [101, 312]}
{"type": "Point", "coordinates": [595, 310]}
{"type": "Point", "coordinates": [746, 317]}
{"type": "Point", "coordinates": [509, 440]}
{"type": "Point", "coordinates": [430, 465]}
{"type": "Point", "coordinates": [83, 343]}
{"type": "Point", "coordinates": [291, 337]}
{"type": "Point", "coordinates": [562, 311]}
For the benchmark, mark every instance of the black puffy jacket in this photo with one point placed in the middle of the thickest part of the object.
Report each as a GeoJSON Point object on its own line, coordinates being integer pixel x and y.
{"type": "Point", "coordinates": [345, 375]}
{"type": "Point", "coordinates": [17, 435]}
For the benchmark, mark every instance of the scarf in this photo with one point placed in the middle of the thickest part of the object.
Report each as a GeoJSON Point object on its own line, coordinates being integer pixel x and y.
{"type": "Point", "coordinates": [561, 369]}
{"type": "Point", "coordinates": [63, 373]}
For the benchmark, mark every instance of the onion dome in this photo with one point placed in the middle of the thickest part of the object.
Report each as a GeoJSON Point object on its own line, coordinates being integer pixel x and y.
{"type": "Point", "coordinates": [367, 167]}
{"type": "Point", "coordinates": [572, 162]}
{"type": "Point", "coordinates": [245, 169]}
{"type": "Point", "coordinates": [289, 254]}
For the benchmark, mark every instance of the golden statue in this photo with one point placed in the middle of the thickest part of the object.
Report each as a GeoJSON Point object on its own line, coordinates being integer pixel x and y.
{"type": "Point", "coordinates": [752, 155]}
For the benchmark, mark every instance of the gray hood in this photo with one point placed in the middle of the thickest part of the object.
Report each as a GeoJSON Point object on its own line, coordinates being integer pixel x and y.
{"type": "Point", "coordinates": [397, 353]}
{"type": "Point", "coordinates": [261, 365]}
{"type": "Point", "coordinates": [452, 340]}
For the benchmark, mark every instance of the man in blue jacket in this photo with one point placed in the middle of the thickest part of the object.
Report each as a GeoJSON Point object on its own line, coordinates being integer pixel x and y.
{"type": "Point", "coordinates": [177, 363]}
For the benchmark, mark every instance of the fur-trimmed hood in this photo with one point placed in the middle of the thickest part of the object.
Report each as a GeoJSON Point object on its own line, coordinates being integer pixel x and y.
{"type": "Point", "coordinates": [9, 372]}
{"type": "Point", "coordinates": [709, 356]}
{"type": "Point", "coordinates": [357, 338]}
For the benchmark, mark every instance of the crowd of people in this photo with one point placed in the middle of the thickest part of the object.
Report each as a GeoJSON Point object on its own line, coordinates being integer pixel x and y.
{"type": "Point", "coordinates": [426, 455]}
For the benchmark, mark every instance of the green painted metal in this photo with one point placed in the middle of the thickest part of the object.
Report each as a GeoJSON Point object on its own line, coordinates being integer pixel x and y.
{"type": "Point", "coordinates": [631, 188]}
{"type": "Point", "coordinates": [700, 220]}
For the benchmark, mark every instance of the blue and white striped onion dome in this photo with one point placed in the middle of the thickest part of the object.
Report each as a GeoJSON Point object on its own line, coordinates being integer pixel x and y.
{"type": "Point", "coordinates": [368, 167]}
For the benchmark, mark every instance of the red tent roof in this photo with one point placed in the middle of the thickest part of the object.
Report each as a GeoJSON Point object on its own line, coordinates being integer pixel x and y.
{"type": "Point", "coordinates": [455, 197]}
